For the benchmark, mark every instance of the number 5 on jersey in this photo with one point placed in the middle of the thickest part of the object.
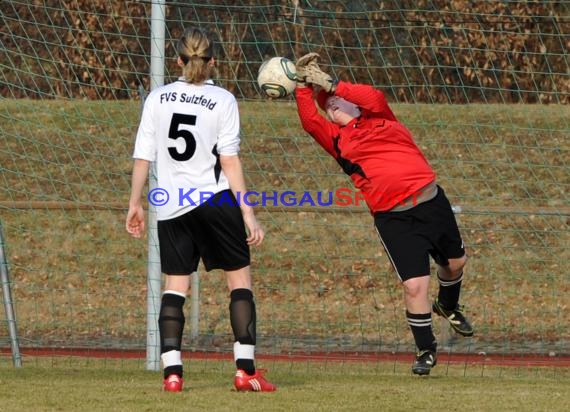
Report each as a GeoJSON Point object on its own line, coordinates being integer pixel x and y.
{"type": "Point", "coordinates": [174, 133]}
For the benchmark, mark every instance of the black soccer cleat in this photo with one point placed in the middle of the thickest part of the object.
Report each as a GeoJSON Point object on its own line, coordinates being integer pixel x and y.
{"type": "Point", "coordinates": [455, 318]}
{"type": "Point", "coordinates": [425, 360]}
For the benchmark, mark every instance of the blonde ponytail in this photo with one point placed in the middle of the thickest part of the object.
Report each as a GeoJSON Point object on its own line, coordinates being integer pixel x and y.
{"type": "Point", "coordinates": [195, 50]}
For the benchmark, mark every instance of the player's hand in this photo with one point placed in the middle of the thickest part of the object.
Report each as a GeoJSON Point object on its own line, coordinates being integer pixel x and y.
{"type": "Point", "coordinates": [255, 232]}
{"type": "Point", "coordinates": [301, 65]}
{"type": "Point", "coordinates": [135, 221]}
{"type": "Point", "coordinates": [314, 75]}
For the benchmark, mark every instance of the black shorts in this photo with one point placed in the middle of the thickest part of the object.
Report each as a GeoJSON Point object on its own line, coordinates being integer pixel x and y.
{"type": "Point", "coordinates": [411, 236]}
{"type": "Point", "coordinates": [214, 231]}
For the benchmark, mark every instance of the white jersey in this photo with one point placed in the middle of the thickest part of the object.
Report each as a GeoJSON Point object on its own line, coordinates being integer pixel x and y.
{"type": "Point", "coordinates": [184, 128]}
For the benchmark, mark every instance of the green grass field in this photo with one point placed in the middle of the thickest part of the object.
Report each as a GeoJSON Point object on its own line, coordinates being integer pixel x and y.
{"type": "Point", "coordinates": [57, 384]}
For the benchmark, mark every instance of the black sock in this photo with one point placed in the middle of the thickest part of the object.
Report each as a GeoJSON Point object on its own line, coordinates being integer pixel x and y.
{"type": "Point", "coordinates": [247, 365]}
{"type": "Point", "coordinates": [173, 370]}
{"type": "Point", "coordinates": [448, 295]}
{"type": "Point", "coordinates": [420, 324]}
{"type": "Point", "coordinates": [243, 322]}
{"type": "Point", "coordinates": [171, 325]}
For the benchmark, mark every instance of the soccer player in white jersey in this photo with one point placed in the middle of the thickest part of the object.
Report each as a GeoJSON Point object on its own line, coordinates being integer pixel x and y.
{"type": "Point", "coordinates": [190, 128]}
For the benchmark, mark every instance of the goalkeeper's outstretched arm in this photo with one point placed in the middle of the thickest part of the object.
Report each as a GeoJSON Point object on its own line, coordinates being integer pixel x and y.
{"type": "Point", "coordinates": [368, 98]}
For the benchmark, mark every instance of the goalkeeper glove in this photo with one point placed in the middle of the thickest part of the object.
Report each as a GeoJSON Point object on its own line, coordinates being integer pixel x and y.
{"type": "Point", "coordinates": [309, 59]}
{"type": "Point", "coordinates": [314, 75]}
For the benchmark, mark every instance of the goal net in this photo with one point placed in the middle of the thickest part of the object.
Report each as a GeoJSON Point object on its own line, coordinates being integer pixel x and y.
{"type": "Point", "coordinates": [483, 86]}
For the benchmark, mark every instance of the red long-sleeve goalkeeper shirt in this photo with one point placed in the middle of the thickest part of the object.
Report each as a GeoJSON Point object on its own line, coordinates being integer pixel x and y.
{"type": "Point", "coordinates": [375, 150]}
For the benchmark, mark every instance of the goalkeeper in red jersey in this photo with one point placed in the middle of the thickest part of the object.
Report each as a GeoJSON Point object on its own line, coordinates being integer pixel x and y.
{"type": "Point", "coordinates": [411, 212]}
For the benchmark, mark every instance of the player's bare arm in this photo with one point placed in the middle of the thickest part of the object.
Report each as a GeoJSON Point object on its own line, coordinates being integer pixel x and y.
{"type": "Point", "coordinates": [135, 216]}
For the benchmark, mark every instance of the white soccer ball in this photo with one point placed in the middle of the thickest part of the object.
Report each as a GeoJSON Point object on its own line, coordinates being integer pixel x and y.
{"type": "Point", "coordinates": [277, 77]}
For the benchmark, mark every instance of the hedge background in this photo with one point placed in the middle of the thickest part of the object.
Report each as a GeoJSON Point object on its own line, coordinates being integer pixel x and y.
{"type": "Point", "coordinates": [421, 51]}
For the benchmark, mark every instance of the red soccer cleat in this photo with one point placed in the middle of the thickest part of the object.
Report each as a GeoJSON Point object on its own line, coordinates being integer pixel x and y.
{"type": "Point", "coordinates": [253, 383]}
{"type": "Point", "coordinates": [173, 383]}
